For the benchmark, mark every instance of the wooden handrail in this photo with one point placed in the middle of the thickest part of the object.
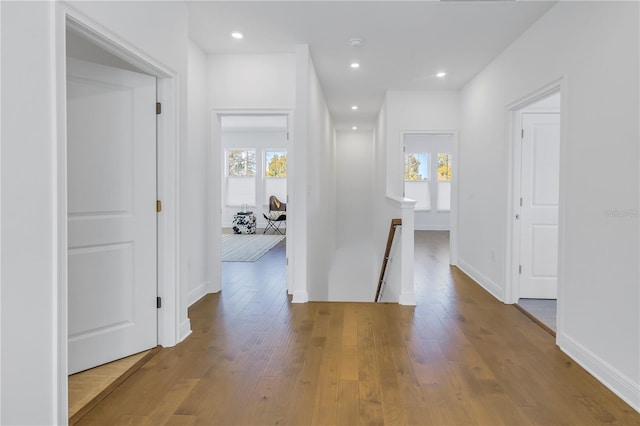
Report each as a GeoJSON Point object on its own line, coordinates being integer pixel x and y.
{"type": "Point", "coordinates": [392, 233]}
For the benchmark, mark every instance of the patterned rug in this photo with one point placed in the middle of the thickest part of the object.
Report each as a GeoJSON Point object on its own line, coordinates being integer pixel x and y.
{"type": "Point", "coordinates": [247, 247]}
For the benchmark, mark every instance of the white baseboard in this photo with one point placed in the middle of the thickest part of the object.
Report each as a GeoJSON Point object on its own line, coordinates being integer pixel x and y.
{"type": "Point", "coordinates": [408, 299]}
{"type": "Point", "coordinates": [300, 296]}
{"type": "Point", "coordinates": [482, 280]}
{"type": "Point", "coordinates": [432, 227]}
{"type": "Point", "coordinates": [609, 376]}
{"type": "Point", "coordinates": [185, 330]}
{"type": "Point", "coordinates": [198, 292]}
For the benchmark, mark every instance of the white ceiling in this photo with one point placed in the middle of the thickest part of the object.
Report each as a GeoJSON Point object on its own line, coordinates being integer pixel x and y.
{"type": "Point", "coordinates": [405, 43]}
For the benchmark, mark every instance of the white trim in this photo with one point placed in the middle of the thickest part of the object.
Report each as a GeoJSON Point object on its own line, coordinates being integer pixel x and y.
{"type": "Point", "coordinates": [480, 279]}
{"type": "Point", "coordinates": [198, 293]}
{"type": "Point", "coordinates": [60, 212]}
{"type": "Point", "coordinates": [171, 328]}
{"type": "Point", "coordinates": [300, 296]}
{"type": "Point", "coordinates": [185, 329]}
{"type": "Point", "coordinates": [1, 221]}
{"type": "Point", "coordinates": [214, 202]}
{"type": "Point", "coordinates": [402, 202]}
{"type": "Point", "coordinates": [297, 184]}
{"type": "Point", "coordinates": [616, 381]}
{"type": "Point", "coordinates": [453, 211]}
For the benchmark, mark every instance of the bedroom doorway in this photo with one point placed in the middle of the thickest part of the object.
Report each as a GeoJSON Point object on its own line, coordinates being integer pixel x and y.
{"type": "Point", "coordinates": [254, 157]}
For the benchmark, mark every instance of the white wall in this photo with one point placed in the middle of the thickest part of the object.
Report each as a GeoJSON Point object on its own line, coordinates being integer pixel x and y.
{"type": "Point", "coordinates": [382, 214]}
{"type": "Point", "coordinates": [201, 270]}
{"type": "Point", "coordinates": [245, 81]}
{"type": "Point", "coordinates": [353, 269]}
{"type": "Point", "coordinates": [320, 185]}
{"type": "Point", "coordinates": [354, 187]}
{"type": "Point", "coordinates": [29, 285]}
{"type": "Point", "coordinates": [30, 381]}
{"type": "Point", "coordinates": [594, 47]}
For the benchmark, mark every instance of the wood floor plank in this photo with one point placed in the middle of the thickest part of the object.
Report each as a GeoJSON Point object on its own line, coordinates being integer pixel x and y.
{"type": "Point", "coordinates": [459, 357]}
{"type": "Point", "coordinates": [368, 375]}
{"type": "Point", "coordinates": [170, 402]}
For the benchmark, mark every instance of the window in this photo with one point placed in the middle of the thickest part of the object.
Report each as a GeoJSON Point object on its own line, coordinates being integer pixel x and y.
{"type": "Point", "coordinates": [241, 177]}
{"type": "Point", "coordinates": [416, 167]}
{"type": "Point", "coordinates": [275, 164]}
{"type": "Point", "coordinates": [275, 174]}
{"type": "Point", "coordinates": [416, 179]}
{"type": "Point", "coordinates": [241, 162]}
{"type": "Point", "coordinates": [444, 167]}
{"type": "Point", "coordinates": [444, 181]}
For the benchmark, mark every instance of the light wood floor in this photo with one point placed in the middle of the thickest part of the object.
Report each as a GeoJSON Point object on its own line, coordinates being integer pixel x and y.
{"type": "Point", "coordinates": [86, 385]}
{"type": "Point", "coordinates": [459, 358]}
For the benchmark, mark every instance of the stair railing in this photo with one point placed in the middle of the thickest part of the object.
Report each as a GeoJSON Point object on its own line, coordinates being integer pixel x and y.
{"type": "Point", "coordinates": [392, 232]}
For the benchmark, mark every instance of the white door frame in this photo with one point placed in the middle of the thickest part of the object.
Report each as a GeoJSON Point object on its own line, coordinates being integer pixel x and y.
{"type": "Point", "coordinates": [171, 328]}
{"type": "Point", "coordinates": [216, 156]}
{"type": "Point", "coordinates": [453, 213]}
{"type": "Point", "coordinates": [512, 235]}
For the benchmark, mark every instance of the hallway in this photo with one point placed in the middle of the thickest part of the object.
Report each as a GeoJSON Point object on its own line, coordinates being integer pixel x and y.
{"type": "Point", "coordinates": [458, 358]}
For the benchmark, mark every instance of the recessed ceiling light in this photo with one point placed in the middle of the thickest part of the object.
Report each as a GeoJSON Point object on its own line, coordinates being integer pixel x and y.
{"type": "Point", "coordinates": [441, 74]}
{"type": "Point", "coordinates": [354, 107]}
{"type": "Point", "coordinates": [237, 35]}
{"type": "Point", "coordinates": [355, 65]}
{"type": "Point", "coordinates": [354, 128]}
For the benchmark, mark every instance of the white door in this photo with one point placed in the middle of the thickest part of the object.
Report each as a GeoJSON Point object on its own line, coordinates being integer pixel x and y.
{"type": "Point", "coordinates": [111, 167]}
{"type": "Point", "coordinates": [540, 170]}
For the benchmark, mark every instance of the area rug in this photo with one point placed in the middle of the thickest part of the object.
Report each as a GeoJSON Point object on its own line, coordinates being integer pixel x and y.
{"type": "Point", "coordinates": [247, 248]}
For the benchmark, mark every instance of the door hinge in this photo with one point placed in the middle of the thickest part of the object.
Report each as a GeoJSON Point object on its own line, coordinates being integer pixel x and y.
{"type": "Point", "coordinates": [404, 149]}
{"type": "Point", "coordinates": [519, 269]}
{"type": "Point", "coordinates": [520, 201]}
{"type": "Point", "coordinates": [158, 302]}
{"type": "Point", "coordinates": [521, 133]}
{"type": "Point", "coordinates": [158, 108]}
{"type": "Point", "coordinates": [158, 206]}
{"type": "Point", "coordinates": [287, 135]}
{"type": "Point", "coordinates": [287, 261]}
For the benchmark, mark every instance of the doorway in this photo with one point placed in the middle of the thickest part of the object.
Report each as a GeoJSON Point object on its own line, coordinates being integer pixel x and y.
{"type": "Point", "coordinates": [254, 158]}
{"type": "Point", "coordinates": [536, 195]}
{"type": "Point", "coordinates": [168, 330]}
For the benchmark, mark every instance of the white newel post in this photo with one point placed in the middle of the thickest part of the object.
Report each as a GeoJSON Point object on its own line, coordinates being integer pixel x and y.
{"type": "Point", "coordinates": [407, 207]}
{"type": "Point", "coordinates": [407, 293]}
